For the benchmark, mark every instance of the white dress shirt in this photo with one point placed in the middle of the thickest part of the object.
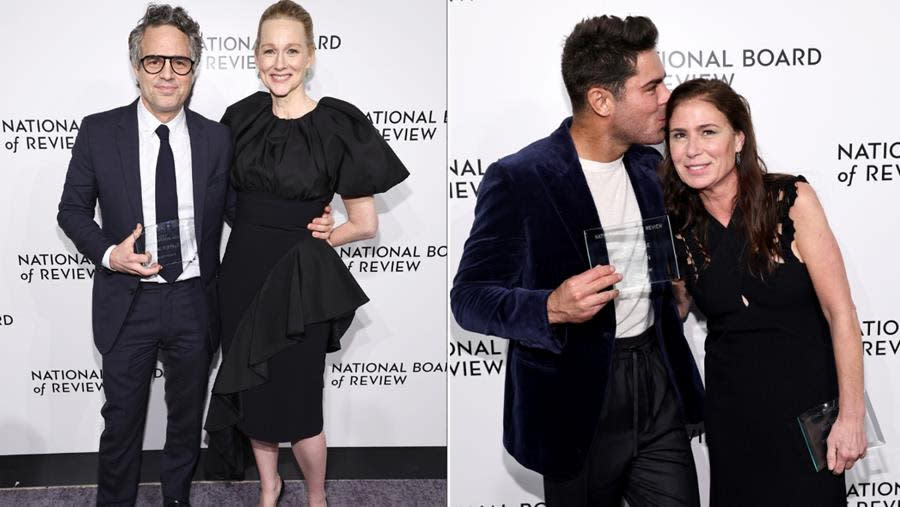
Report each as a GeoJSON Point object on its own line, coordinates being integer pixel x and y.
{"type": "Point", "coordinates": [616, 204]}
{"type": "Point", "coordinates": [148, 148]}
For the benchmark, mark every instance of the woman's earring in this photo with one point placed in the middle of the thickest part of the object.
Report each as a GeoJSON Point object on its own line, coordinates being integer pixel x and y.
{"type": "Point", "coordinates": [737, 158]}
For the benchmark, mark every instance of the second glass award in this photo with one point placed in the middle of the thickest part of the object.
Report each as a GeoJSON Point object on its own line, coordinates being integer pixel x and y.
{"type": "Point", "coordinates": [642, 252]}
{"type": "Point", "coordinates": [815, 425]}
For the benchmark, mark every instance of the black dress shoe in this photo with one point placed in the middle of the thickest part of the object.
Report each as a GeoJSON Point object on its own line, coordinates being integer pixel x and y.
{"type": "Point", "coordinates": [168, 502]}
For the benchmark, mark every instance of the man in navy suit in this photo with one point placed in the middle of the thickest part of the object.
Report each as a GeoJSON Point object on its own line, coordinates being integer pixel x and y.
{"type": "Point", "coordinates": [151, 162]}
{"type": "Point", "coordinates": [599, 384]}
{"type": "Point", "coordinates": [157, 162]}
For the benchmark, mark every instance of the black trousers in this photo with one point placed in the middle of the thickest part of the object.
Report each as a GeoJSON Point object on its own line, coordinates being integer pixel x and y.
{"type": "Point", "coordinates": [163, 320]}
{"type": "Point", "coordinates": [640, 451]}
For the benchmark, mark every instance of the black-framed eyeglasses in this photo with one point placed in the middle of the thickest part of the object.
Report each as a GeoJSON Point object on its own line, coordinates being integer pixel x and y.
{"type": "Point", "coordinates": [153, 64]}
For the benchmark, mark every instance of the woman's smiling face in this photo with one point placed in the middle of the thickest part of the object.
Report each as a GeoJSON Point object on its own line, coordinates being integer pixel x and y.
{"type": "Point", "coordinates": [703, 145]}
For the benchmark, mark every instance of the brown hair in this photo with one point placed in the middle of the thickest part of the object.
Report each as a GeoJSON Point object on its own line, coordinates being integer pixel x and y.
{"type": "Point", "coordinates": [758, 202]}
{"type": "Point", "coordinates": [286, 9]}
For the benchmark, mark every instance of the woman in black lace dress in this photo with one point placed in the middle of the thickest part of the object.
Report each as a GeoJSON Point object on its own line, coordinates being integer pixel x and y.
{"type": "Point", "coordinates": [763, 265]}
{"type": "Point", "coordinates": [286, 297]}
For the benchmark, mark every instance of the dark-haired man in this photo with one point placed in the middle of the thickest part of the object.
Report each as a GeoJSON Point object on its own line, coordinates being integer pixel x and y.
{"type": "Point", "coordinates": [599, 385]}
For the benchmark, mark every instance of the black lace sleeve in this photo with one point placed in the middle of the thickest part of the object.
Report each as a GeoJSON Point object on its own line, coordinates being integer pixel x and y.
{"type": "Point", "coordinates": [688, 253]}
{"type": "Point", "coordinates": [787, 195]}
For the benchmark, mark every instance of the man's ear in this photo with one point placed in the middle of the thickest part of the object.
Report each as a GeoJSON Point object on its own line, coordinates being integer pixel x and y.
{"type": "Point", "coordinates": [601, 101]}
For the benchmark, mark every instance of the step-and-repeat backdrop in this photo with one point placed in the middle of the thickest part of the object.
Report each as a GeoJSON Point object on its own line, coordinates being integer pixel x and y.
{"type": "Point", "coordinates": [821, 79]}
{"type": "Point", "coordinates": [66, 60]}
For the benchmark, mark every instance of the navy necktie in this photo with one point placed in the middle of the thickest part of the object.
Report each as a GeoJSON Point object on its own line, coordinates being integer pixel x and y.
{"type": "Point", "coordinates": [168, 238]}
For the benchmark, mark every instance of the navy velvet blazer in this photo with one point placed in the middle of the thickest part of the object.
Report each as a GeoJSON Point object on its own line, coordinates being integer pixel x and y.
{"type": "Point", "coordinates": [526, 239]}
{"type": "Point", "coordinates": [105, 167]}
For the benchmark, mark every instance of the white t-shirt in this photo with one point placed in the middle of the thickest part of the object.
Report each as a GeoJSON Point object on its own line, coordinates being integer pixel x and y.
{"type": "Point", "coordinates": [616, 204]}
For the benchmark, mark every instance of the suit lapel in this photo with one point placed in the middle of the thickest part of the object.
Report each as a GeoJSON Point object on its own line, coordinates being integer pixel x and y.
{"type": "Point", "coordinates": [127, 142]}
{"type": "Point", "coordinates": [649, 196]}
{"type": "Point", "coordinates": [199, 168]}
{"type": "Point", "coordinates": [563, 177]}
{"type": "Point", "coordinates": [568, 189]}
{"type": "Point", "coordinates": [646, 187]}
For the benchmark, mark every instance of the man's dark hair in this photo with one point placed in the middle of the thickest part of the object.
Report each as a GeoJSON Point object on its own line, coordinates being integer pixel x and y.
{"type": "Point", "coordinates": [602, 51]}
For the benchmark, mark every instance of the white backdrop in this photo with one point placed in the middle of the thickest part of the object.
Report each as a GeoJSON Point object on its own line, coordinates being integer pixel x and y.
{"type": "Point", "coordinates": [66, 60]}
{"type": "Point", "coordinates": [505, 91]}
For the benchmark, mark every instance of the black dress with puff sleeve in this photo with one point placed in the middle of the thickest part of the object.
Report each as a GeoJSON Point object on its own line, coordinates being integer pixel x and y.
{"type": "Point", "coordinates": [285, 297]}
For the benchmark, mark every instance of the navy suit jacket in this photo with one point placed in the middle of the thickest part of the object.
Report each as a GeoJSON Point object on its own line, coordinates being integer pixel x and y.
{"type": "Point", "coordinates": [105, 167]}
{"type": "Point", "coordinates": [526, 239]}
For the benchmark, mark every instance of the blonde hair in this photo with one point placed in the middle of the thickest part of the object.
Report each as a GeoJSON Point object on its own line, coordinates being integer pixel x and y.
{"type": "Point", "coordinates": [286, 9]}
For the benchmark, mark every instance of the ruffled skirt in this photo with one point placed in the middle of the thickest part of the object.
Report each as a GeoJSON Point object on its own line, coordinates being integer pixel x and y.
{"type": "Point", "coordinates": [285, 298]}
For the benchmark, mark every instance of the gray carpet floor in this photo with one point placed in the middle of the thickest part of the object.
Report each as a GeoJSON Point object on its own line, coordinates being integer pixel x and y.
{"type": "Point", "coordinates": [355, 493]}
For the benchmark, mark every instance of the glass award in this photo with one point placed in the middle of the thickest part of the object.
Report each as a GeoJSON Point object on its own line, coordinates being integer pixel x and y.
{"type": "Point", "coordinates": [815, 425]}
{"type": "Point", "coordinates": [169, 243]}
{"type": "Point", "coordinates": [642, 252]}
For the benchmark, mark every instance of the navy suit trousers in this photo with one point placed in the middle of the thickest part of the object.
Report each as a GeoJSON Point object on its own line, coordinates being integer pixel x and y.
{"type": "Point", "coordinates": [163, 322]}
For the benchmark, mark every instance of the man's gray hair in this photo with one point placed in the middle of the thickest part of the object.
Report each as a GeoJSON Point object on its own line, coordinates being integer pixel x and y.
{"type": "Point", "coordinates": [158, 15]}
